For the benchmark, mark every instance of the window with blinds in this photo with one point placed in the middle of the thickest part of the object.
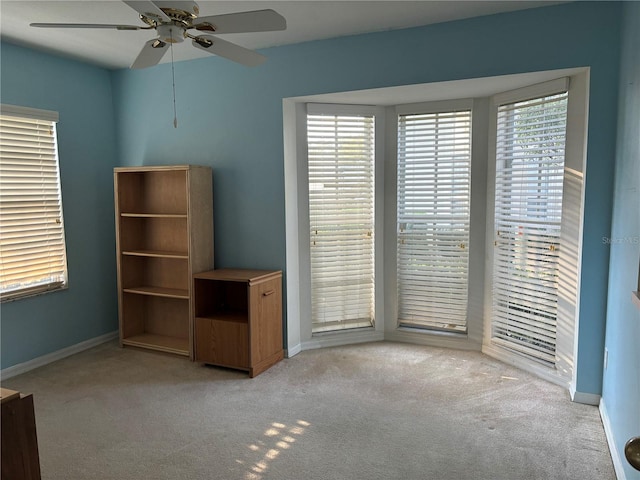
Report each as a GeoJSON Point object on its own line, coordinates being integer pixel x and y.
{"type": "Point", "coordinates": [434, 175]}
{"type": "Point", "coordinates": [32, 245]}
{"type": "Point", "coordinates": [341, 217]}
{"type": "Point", "coordinates": [530, 150]}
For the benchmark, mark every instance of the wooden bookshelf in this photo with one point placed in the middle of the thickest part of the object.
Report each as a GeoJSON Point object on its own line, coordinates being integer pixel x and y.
{"type": "Point", "coordinates": [164, 234]}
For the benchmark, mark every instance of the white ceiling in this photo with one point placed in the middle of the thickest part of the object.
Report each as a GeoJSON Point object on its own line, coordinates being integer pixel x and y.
{"type": "Point", "coordinates": [306, 20]}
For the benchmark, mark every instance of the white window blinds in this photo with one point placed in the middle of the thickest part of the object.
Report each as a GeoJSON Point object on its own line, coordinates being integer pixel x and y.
{"type": "Point", "coordinates": [341, 215]}
{"type": "Point", "coordinates": [434, 175]}
{"type": "Point", "coordinates": [530, 149]}
{"type": "Point", "coordinates": [32, 245]}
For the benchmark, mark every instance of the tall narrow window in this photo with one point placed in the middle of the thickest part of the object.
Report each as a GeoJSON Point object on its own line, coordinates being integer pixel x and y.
{"type": "Point", "coordinates": [434, 175]}
{"type": "Point", "coordinates": [530, 152]}
{"type": "Point", "coordinates": [32, 245]}
{"type": "Point", "coordinates": [341, 214]}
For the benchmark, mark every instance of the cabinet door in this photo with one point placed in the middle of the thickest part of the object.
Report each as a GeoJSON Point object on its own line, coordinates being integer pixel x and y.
{"type": "Point", "coordinates": [221, 342]}
{"type": "Point", "coordinates": [266, 320]}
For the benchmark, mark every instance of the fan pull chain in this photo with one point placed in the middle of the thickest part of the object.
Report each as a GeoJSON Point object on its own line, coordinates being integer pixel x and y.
{"type": "Point", "coordinates": [173, 79]}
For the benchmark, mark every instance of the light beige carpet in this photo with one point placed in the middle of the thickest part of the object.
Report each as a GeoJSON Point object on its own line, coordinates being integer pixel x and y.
{"type": "Point", "coordinates": [372, 411]}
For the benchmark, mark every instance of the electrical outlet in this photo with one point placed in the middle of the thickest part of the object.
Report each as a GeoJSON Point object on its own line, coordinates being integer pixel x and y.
{"type": "Point", "coordinates": [606, 357]}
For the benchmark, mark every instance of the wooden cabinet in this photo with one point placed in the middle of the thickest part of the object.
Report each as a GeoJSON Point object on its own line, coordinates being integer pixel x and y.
{"type": "Point", "coordinates": [20, 460]}
{"type": "Point", "coordinates": [164, 234]}
{"type": "Point", "coordinates": [238, 318]}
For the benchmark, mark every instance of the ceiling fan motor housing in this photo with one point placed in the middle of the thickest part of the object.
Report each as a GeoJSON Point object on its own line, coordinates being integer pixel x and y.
{"type": "Point", "coordinates": [181, 13]}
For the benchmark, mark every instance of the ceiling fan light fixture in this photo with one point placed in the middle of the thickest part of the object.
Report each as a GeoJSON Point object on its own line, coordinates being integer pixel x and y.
{"type": "Point", "coordinates": [170, 33]}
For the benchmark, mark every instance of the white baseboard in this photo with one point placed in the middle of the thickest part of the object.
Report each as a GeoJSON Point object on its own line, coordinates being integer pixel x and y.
{"type": "Point", "coordinates": [582, 397]}
{"type": "Point", "coordinates": [343, 338]}
{"type": "Point", "coordinates": [290, 352]}
{"type": "Point", "coordinates": [616, 456]}
{"type": "Point", "coordinates": [54, 356]}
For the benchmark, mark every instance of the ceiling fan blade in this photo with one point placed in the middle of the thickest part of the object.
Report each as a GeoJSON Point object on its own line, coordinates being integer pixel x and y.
{"type": "Point", "coordinates": [148, 9]}
{"type": "Point", "coordinates": [242, 22]}
{"type": "Point", "coordinates": [228, 50]}
{"type": "Point", "coordinates": [87, 25]}
{"type": "Point", "coordinates": [151, 53]}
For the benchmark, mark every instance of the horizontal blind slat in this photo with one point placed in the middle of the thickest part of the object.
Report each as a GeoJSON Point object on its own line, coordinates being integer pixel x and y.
{"type": "Point", "coordinates": [341, 213]}
{"type": "Point", "coordinates": [528, 210]}
{"type": "Point", "coordinates": [433, 188]}
{"type": "Point", "coordinates": [32, 249]}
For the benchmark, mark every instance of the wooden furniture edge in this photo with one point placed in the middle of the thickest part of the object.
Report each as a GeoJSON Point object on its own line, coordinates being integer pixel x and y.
{"type": "Point", "coordinates": [266, 363]}
{"type": "Point", "coordinates": [253, 277]}
{"type": "Point", "coordinates": [7, 394]}
{"type": "Point", "coordinates": [155, 168]}
{"type": "Point", "coordinates": [20, 455]}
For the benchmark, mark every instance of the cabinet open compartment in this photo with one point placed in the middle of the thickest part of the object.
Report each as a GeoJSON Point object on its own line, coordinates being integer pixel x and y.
{"type": "Point", "coordinates": [219, 300]}
{"type": "Point", "coordinates": [158, 276]}
{"type": "Point", "coordinates": [155, 322]}
{"type": "Point", "coordinates": [162, 192]}
{"type": "Point", "coordinates": [159, 235]}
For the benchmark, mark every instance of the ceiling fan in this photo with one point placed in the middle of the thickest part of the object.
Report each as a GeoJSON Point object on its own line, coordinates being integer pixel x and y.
{"type": "Point", "coordinates": [173, 21]}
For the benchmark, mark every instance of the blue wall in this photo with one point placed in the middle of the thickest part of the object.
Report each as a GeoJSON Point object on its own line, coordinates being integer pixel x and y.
{"type": "Point", "coordinates": [230, 117]}
{"type": "Point", "coordinates": [35, 326]}
{"type": "Point", "coordinates": [621, 388]}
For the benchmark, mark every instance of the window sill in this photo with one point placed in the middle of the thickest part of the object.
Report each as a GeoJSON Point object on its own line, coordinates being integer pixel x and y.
{"type": "Point", "coordinates": [428, 331]}
{"type": "Point", "coordinates": [34, 292]}
{"type": "Point", "coordinates": [635, 296]}
{"type": "Point", "coordinates": [344, 337]}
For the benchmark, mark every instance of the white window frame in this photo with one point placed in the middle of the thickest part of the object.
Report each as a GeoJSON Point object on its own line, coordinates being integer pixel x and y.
{"type": "Point", "coordinates": [308, 340]}
{"type": "Point", "coordinates": [320, 110]}
{"type": "Point", "coordinates": [439, 108]}
{"type": "Point", "coordinates": [481, 90]}
{"type": "Point", "coordinates": [570, 235]}
{"type": "Point", "coordinates": [472, 338]}
{"type": "Point", "coordinates": [61, 284]}
{"type": "Point", "coordinates": [299, 335]}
